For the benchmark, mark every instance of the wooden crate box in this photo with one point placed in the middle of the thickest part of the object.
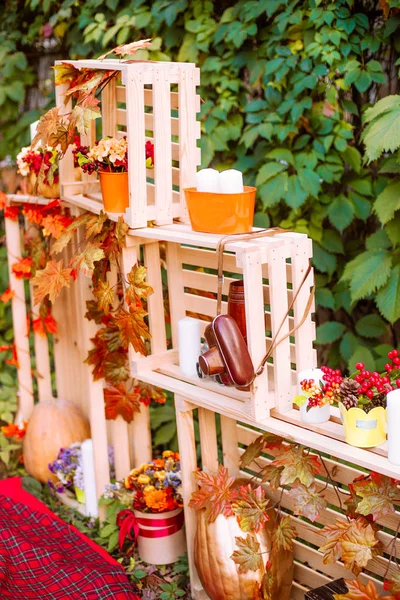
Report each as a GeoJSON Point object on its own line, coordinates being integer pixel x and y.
{"type": "Point", "coordinates": [226, 447]}
{"type": "Point", "coordinates": [153, 101]}
{"type": "Point", "coordinates": [272, 269]}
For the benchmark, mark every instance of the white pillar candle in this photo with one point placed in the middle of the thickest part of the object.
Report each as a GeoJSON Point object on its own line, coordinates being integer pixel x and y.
{"type": "Point", "coordinates": [315, 374]}
{"type": "Point", "coordinates": [189, 345]}
{"type": "Point", "coordinates": [231, 182]}
{"type": "Point", "coordinates": [89, 480]}
{"type": "Point", "coordinates": [207, 180]}
{"type": "Point", "coordinates": [393, 423]}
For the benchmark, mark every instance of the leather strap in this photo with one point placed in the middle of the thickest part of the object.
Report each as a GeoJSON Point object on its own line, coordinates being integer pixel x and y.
{"type": "Point", "coordinates": [274, 342]}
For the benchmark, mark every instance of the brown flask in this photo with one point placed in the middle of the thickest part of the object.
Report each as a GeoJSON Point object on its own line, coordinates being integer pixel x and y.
{"type": "Point", "coordinates": [236, 306]}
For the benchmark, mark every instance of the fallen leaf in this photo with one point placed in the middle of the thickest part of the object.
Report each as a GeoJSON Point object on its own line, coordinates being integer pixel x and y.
{"type": "Point", "coordinates": [308, 501]}
{"type": "Point", "coordinates": [248, 555]}
{"type": "Point", "coordinates": [116, 367]}
{"type": "Point", "coordinates": [119, 401]}
{"type": "Point", "coordinates": [121, 230]}
{"type": "Point", "coordinates": [125, 49]}
{"type": "Point", "coordinates": [50, 281]}
{"type": "Point", "coordinates": [94, 224]}
{"type": "Point", "coordinates": [54, 225]}
{"type": "Point", "coordinates": [250, 508]}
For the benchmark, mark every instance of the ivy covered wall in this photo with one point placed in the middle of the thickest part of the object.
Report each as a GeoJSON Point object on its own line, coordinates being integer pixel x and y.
{"type": "Point", "coordinates": [285, 85]}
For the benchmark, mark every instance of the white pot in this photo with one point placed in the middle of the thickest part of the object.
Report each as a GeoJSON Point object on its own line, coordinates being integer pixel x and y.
{"type": "Point", "coordinates": [393, 422]}
{"type": "Point", "coordinates": [316, 414]}
{"type": "Point", "coordinates": [170, 546]}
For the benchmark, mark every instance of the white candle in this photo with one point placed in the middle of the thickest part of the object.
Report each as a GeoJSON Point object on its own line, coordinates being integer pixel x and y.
{"type": "Point", "coordinates": [393, 423]}
{"type": "Point", "coordinates": [315, 374]}
{"type": "Point", "coordinates": [231, 182]}
{"type": "Point", "coordinates": [207, 180]}
{"type": "Point", "coordinates": [89, 480]}
{"type": "Point", "coordinates": [189, 345]}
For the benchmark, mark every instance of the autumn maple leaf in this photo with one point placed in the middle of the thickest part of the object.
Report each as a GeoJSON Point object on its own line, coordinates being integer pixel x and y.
{"type": "Point", "coordinates": [361, 591]}
{"type": "Point", "coordinates": [374, 495]}
{"type": "Point", "coordinates": [125, 49]}
{"type": "Point", "coordinates": [250, 508]}
{"type": "Point", "coordinates": [272, 475]}
{"type": "Point", "coordinates": [248, 555]}
{"type": "Point", "coordinates": [309, 502]}
{"type": "Point", "coordinates": [121, 229]}
{"type": "Point", "coordinates": [50, 281]}
{"type": "Point", "coordinates": [7, 295]}
{"type": "Point", "coordinates": [86, 259]}
{"type": "Point", "coordinates": [284, 534]}
{"type": "Point", "coordinates": [353, 542]}
{"type": "Point", "coordinates": [33, 213]}
{"type": "Point", "coordinates": [297, 465]}
{"type": "Point", "coordinates": [54, 225]}
{"type": "Point", "coordinates": [105, 296]}
{"type": "Point", "coordinates": [11, 212]}
{"type": "Point", "coordinates": [65, 73]}
{"type": "Point", "coordinates": [253, 451]}
{"type": "Point", "coordinates": [120, 401]}
{"type": "Point", "coordinates": [138, 286]}
{"type": "Point", "coordinates": [94, 224]}
{"type": "Point", "coordinates": [132, 327]}
{"type": "Point", "coordinates": [393, 585]}
{"type": "Point", "coordinates": [22, 269]}
{"type": "Point", "coordinates": [214, 494]}
{"type": "Point", "coordinates": [47, 127]}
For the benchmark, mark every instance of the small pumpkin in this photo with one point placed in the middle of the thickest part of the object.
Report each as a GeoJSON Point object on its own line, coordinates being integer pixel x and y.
{"type": "Point", "coordinates": [54, 424]}
{"type": "Point", "coordinates": [219, 575]}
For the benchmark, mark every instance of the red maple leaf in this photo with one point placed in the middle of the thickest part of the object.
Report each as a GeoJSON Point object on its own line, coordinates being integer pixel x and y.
{"type": "Point", "coordinates": [33, 213]}
{"type": "Point", "coordinates": [54, 225]}
{"type": "Point", "coordinates": [120, 401]}
{"type": "Point", "coordinates": [214, 494]}
{"type": "Point", "coordinates": [11, 212]}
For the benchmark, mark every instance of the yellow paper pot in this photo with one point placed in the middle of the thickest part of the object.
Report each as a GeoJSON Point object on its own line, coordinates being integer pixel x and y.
{"type": "Point", "coordinates": [364, 430]}
{"type": "Point", "coordinates": [80, 495]}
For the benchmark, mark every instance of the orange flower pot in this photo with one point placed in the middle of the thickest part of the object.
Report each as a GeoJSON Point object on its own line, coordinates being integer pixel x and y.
{"type": "Point", "coordinates": [115, 191]}
{"type": "Point", "coordinates": [221, 213]}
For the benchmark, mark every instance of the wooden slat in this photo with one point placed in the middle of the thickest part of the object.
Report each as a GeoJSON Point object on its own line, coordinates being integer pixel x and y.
{"type": "Point", "coordinates": [18, 309]}
{"type": "Point", "coordinates": [162, 146]}
{"type": "Point", "coordinates": [230, 449]}
{"type": "Point", "coordinates": [208, 440]}
{"type": "Point", "coordinates": [175, 288]}
{"type": "Point", "coordinates": [109, 109]}
{"type": "Point", "coordinates": [155, 301]}
{"type": "Point", "coordinates": [148, 98]}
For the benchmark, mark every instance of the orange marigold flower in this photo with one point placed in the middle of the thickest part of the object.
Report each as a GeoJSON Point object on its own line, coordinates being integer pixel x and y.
{"type": "Point", "coordinates": [159, 463]}
{"type": "Point", "coordinates": [7, 295]}
{"type": "Point", "coordinates": [158, 500]}
{"type": "Point", "coordinates": [23, 268]}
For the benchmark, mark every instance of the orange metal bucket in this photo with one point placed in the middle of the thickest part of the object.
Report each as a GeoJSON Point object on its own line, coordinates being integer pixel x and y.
{"type": "Point", "coordinates": [221, 213]}
{"type": "Point", "coordinates": [115, 191]}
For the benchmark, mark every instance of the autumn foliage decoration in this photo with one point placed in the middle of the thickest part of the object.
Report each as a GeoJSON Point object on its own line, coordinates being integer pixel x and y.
{"type": "Point", "coordinates": [352, 537]}
{"type": "Point", "coordinates": [118, 310]}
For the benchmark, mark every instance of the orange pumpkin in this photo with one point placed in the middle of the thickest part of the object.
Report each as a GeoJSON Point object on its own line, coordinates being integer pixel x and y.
{"type": "Point", "coordinates": [54, 424]}
{"type": "Point", "coordinates": [220, 577]}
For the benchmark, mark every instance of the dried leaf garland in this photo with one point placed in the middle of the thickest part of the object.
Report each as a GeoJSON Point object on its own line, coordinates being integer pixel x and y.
{"type": "Point", "coordinates": [50, 281]}
{"type": "Point", "coordinates": [250, 508]}
{"type": "Point", "coordinates": [361, 591]}
{"type": "Point", "coordinates": [214, 495]}
{"type": "Point", "coordinates": [119, 400]}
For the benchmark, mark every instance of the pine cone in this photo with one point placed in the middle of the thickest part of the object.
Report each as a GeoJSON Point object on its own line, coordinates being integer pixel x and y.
{"type": "Point", "coordinates": [348, 393]}
{"type": "Point", "coordinates": [367, 407]}
{"type": "Point", "coordinates": [379, 400]}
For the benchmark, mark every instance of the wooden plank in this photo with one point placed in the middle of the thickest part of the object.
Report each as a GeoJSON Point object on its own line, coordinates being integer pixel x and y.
{"type": "Point", "coordinates": [208, 440]}
{"type": "Point", "coordinates": [162, 146]}
{"type": "Point", "coordinates": [189, 131]}
{"type": "Point", "coordinates": [66, 164]}
{"type": "Point", "coordinates": [120, 438]}
{"type": "Point", "coordinates": [155, 301]}
{"type": "Point", "coordinates": [230, 449]}
{"type": "Point", "coordinates": [18, 310]}
{"type": "Point", "coordinates": [109, 109]}
{"type": "Point", "coordinates": [175, 288]}
{"type": "Point", "coordinates": [280, 328]}
{"type": "Point", "coordinates": [136, 214]}
{"type": "Point", "coordinates": [187, 448]}
{"type": "Point", "coordinates": [254, 305]}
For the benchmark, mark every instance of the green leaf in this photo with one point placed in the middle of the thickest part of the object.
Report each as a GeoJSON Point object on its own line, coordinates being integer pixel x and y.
{"type": "Point", "coordinates": [378, 240]}
{"type": "Point", "coordinates": [324, 297]}
{"type": "Point", "coordinates": [353, 158]}
{"type": "Point", "coordinates": [362, 186]}
{"type": "Point", "coordinates": [367, 273]}
{"type": "Point", "coordinates": [388, 298]}
{"type": "Point", "coordinates": [309, 181]}
{"type": "Point", "coordinates": [296, 195]}
{"type": "Point", "coordinates": [268, 171]}
{"type": "Point", "coordinates": [274, 190]}
{"type": "Point", "coordinates": [363, 81]}
{"type": "Point", "coordinates": [383, 133]}
{"type": "Point", "coordinates": [362, 355]}
{"type": "Point", "coordinates": [330, 332]}
{"type": "Point", "coordinates": [341, 212]}
{"type": "Point", "coordinates": [348, 345]}
{"type": "Point", "coordinates": [371, 326]}
{"type": "Point", "coordinates": [393, 230]}
{"type": "Point", "coordinates": [107, 530]}
{"type": "Point", "coordinates": [281, 154]}
{"type": "Point", "coordinates": [388, 202]}
{"type": "Point", "coordinates": [332, 241]}
{"type": "Point", "coordinates": [323, 260]}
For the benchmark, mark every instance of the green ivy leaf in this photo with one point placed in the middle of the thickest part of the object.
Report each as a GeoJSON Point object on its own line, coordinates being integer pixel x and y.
{"type": "Point", "coordinates": [388, 298]}
{"type": "Point", "coordinates": [324, 297]}
{"type": "Point", "coordinates": [268, 171]}
{"type": "Point", "coordinates": [388, 202]}
{"type": "Point", "coordinates": [309, 181]}
{"type": "Point", "coordinates": [371, 326]}
{"type": "Point", "coordinates": [330, 332]}
{"type": "Point", "coordinates": [323, 260]}
{"type": "Point", "coordinates": [274, 190]}
{"type": "Point", "coordinates": [361, 355]}
{"type": "Point", "coordinates": [367, 273]}
{"type": "Point", "coordinates": [341, 212]}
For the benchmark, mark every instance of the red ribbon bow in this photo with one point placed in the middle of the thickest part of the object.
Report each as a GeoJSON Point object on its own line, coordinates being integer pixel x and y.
{"type": "Point", "coordinates": [129, 527]}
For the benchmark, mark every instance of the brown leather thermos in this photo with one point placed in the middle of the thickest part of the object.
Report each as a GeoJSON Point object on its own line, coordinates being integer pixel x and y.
{"type": "Point", "coordinates": [236, 306]}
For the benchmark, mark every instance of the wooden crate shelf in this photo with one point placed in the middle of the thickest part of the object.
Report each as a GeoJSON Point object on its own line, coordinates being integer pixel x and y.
{"type": "Point", "coordinates": [272, 269]}
{"type": "Point", "coordinates": [154, 101]}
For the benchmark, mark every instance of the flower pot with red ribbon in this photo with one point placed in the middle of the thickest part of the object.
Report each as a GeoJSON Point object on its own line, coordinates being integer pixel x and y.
{"type": "Point", "coordinates": [160, 537]}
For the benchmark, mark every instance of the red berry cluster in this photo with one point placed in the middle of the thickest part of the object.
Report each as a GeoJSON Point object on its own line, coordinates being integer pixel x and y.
{"type": "Point", "coordinates": [89, 167]}
{"type": "Point", "coordinates": [332, 379]}
{"type": "Point", "coordinates": [373, 383]}
{"type": "Point", "coordinates": [34, 160]}
{"type": "Point", "coordinates": [316, 397]}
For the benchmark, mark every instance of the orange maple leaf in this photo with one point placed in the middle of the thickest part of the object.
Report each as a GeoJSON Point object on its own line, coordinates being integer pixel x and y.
{"type": "Point", "coordinates": [359, 591]}
{"type": "Point", "coordinates": [214, 494]}
{"type": "Point", "coordinates": [33, 213]}
{"type": "Point", "coordinates": [7, 295]}
{"type": "Point", "coordinates": [120, 401]}
{"type": "Point", "coordinates": [125, 49]}
{"type": "Point", "coordinates": [132, 327]}
{"type": "Point", "coordinates": [22, 269]}
{"type": "Point", "coordinates": [50, 281]}
{"type": "Point", "coordinates": [54, 225]}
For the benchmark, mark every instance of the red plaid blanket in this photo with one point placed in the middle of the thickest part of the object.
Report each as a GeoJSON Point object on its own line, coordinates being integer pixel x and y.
{"type": "Point", "coordinates": [42, 558]}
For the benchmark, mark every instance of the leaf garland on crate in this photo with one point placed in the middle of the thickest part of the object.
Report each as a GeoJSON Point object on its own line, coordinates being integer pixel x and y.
{"type": "Point", "coordinates": [118, 309]}
{"type": "Point", "coordinates": [361, 591]}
